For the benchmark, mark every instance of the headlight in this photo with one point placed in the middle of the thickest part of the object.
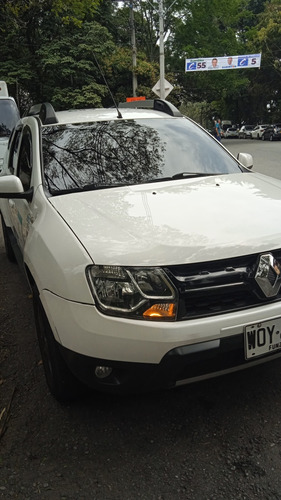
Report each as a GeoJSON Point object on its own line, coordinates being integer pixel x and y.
{"type": "Point", "coordinates": [144, 293]}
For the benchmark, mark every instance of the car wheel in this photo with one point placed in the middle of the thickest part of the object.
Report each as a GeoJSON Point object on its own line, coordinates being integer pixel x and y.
{"type": "Point", "coordinates": [7, 242]}
{"type": "Point", "coordinates": [63, 385]}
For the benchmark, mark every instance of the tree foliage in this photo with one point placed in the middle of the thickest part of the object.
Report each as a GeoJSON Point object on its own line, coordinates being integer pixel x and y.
{"type": "Point", "coordinates": [62, 52]}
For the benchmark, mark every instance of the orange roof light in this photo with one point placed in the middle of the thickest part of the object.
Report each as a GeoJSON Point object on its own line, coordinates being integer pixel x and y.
{"type": "Point", "coordinates": [131, 99]}
{"type": "Point", "coordinates": [161, 311]}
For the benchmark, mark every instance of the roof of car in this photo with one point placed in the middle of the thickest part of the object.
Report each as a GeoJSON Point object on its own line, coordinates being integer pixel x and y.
{"type": "Point", "coordinates": [104, 114]}
{"type": "Point", "coordinates": [6, 98]}
{"type": "Point", "coordinates": [156, 108]}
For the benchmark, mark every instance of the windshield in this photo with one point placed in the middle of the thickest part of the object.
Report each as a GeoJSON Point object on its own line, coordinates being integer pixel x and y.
{"type": "Point", "coordinates": [123, 152]}
{"type": "Point", "coordinates": [9, 115]}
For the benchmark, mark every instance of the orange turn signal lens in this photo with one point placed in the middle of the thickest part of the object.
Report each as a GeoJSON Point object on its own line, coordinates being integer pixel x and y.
{"type": "Point", "coordinates": [161, 311]}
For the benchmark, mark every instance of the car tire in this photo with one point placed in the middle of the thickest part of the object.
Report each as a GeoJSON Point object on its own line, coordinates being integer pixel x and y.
{"type": "Point", "coordinates": [63, 385]}
{"type": "Point", "coordinates": [7, 242]}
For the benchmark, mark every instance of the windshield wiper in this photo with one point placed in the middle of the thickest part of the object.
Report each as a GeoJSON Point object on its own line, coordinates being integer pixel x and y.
{"type": "Point", "coordinates": [186, 175]}
{"type": "Point", "coordinates": [157, 179]}
{"type": "Point", "coordinates": [180, 175]}
{"type": "Point", "coordinates": [92, 187]}
{"type": "Point", "coordinates": [88, 187]}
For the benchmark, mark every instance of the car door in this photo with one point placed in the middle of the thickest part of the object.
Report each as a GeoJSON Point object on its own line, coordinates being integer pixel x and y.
{"type": "Point", "coordinates": [21, 163]}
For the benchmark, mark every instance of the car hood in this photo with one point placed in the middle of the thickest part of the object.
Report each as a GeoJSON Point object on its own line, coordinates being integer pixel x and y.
{"type": "Point", "coordinates": [176, 222]}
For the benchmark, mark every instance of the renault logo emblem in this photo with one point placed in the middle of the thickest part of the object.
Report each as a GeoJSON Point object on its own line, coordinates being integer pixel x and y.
{"type": "Point", "coordinates": [268, 275]}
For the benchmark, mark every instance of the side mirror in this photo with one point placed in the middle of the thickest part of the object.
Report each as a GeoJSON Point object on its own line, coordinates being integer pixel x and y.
{"type": "Point", "coordinates": [11, 187]}
{"type": "Point", "coordinates": [246, 159]}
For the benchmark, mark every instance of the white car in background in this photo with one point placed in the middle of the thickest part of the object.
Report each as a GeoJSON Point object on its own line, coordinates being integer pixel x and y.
{"type": "Point", "coordinates": [231, 132]}
{"type": "Point", "coordinates": [9, 116]}
{"type": "Point", "coordinates": [245, 131]}
{"type": "Point", "coordinates": [256, 133]}
{"type": "Point", "coordinates": [153, 255]}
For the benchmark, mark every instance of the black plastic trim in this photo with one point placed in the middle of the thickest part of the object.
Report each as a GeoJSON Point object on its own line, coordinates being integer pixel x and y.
{"type": "Point", "coordinates": [205, 359]}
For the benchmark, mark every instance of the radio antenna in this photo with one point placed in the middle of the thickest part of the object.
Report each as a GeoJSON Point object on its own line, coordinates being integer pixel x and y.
{"type": "Point", "coordinates": [105, 81]}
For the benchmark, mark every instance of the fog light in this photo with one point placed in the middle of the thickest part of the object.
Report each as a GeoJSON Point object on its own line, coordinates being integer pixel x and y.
{"type": "Point", "coordinates": [103, 371]}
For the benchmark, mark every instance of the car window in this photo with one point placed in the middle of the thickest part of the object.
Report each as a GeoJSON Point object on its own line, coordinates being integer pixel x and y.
{"type": "Point", "coordinates": [9, 115]}
{"type": "Point", "coordinates": [129, 152]}
{"type": "Point", "coordinates": [25, 159]}
{"type": "Point", "coordinates": [14, 150]}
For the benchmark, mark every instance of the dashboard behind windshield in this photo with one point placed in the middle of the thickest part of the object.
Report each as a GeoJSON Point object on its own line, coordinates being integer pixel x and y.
{"type": "Point", "coordinates": [126, 152]}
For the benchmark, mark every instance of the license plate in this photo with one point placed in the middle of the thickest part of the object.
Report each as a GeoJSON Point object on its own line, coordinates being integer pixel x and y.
{"type": "Point", "coordinates": [262, 338]}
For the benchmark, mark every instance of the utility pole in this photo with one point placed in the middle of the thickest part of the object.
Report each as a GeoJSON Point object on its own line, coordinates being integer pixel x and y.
{"type": "Point", "coordinates": [134, 50]}
{"type": "Point", "coordinates": [161, 50]}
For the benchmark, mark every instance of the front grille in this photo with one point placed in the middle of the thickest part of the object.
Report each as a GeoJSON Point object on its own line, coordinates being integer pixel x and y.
{"type": "Point", "coordinates": [272, 277]}
{"type": "Point", "coordinates": [218, 287]}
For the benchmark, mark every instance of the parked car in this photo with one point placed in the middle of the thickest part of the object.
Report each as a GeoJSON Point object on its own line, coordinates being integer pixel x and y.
{"type": "Point", "coordinates": [256, 133]}
{"type": "Point", "coordinates": [9, 115]}
{"type": "Point", "coordinates": [272, 133]}
{"type": "Point", "coordinates": [225, 124]}
{"type": "Point", "coordinates": [245, 131]}
{"type": "Point", "coordinates": [145, 271]}
{"type": "Point", "coordinates": [231, 132]}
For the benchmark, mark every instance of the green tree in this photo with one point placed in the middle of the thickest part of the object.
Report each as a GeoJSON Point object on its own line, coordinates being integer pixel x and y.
{"type": "Point", "coordinates": [53, 50]}
{"type": "Point", "coordinates": [28, 31]}
{"type": "Point", "coordinates": [214, 28]}
{"type": "Point", "coordinates": [267, 38]}
{"type": "Point", "coordinates": [69, 65]}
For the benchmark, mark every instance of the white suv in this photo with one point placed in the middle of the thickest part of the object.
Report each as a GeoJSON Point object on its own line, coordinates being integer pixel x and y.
{"type": "Point", "coordinates": [152, 253]}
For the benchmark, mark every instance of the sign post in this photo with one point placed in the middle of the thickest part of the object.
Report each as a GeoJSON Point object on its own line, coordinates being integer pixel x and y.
{"type": "Point", "coordinates": [163, 91]}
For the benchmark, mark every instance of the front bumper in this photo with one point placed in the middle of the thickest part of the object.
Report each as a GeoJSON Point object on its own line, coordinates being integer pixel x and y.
{"type": "Point", "coordinates": [147, 355]}
{"type": "Point", "coordinates": [179, 366]}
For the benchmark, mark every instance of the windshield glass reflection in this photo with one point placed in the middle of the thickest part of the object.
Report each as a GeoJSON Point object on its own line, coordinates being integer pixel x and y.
{"type": "Point", "coordinates": [123, 152]}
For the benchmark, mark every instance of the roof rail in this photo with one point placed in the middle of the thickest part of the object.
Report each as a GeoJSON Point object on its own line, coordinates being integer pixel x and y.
{"type": "Point", "coordinates": [156, 104]}
{"type": "Point", "coordinates": [45, 112]}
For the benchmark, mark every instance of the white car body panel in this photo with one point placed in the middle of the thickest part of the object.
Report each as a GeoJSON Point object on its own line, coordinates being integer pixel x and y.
{"type": "Point", "coordinates": [81, 328]}
{"type": "Point", "coordinates": [53, 253]}
{"type": "Point", "coordinates": [101, 114]}
{"type": "Point", "coordinates": [176, 222]}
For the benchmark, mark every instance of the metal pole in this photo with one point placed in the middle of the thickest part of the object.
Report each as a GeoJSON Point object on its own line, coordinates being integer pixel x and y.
{"type": "Point", "coordinates": [161, 50]}
{"type": "Point", "coordinates": [134, 50]}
